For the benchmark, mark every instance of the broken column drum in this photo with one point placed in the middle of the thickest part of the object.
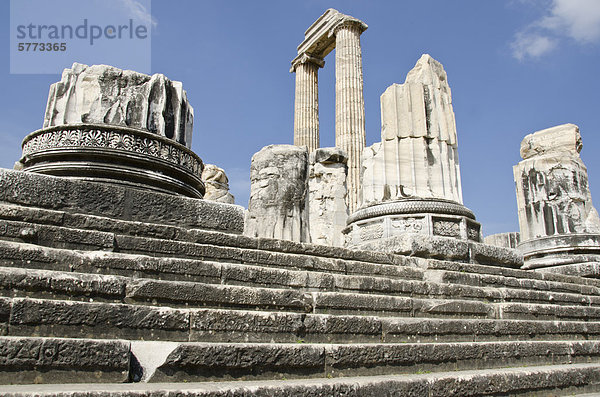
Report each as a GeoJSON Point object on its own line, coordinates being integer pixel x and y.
{"type": "Point", "coordinates": [117, 126]}
{"type": "Point", "coordinates": [342, 32]}
{"type": "Point", "coordinates": [559, 225]}
{"type": "Point", "coordinates": [277, 206]}
{"type": "Point", "coordinates": [411, 179]}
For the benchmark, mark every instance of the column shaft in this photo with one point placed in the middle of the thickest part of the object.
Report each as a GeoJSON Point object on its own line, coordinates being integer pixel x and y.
{"type": "Point", "coordinates": [306, 106]}
{"type": "Point", "coordinates": [349, 105]}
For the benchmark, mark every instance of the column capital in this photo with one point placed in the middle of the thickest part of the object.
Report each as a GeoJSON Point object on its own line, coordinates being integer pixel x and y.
{"type": "Point", "coordinates": [347, 21]}
{"type": "Point", "coordinates": [303, 58]}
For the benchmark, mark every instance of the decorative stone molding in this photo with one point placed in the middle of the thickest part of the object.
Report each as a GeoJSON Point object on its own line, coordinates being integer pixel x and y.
{"type": "Point", "coordinates": [379, 223]}
{"type": "Point", "coordinates": [348, 22]}
{"type": "Point", "coordinates": [412, 206]}
{"type": "Point", "coordinates": [88, 150]}
{"type": "Point", "coordinates": [306, 58]}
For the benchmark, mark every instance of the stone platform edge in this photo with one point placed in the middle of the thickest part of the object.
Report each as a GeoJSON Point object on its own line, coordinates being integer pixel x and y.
{"type": "Point", "coordinates": [120, 202]}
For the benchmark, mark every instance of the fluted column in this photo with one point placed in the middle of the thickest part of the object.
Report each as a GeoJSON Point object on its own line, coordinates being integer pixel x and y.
{"type": "Point", "coordinates": [306, 106]}
{"type": "Point", "coordinates": [349, 103]}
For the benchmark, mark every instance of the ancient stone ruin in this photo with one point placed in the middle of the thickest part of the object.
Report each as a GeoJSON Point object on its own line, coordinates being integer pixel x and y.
{"type": "Point", "coordinates": [342, 32]}
{"type": "Point", "coordinates": [560, 228]}
{"type": "Point", "coordinates": [411, 179]}
{"type": "Point", "coordinates": [126, 271]}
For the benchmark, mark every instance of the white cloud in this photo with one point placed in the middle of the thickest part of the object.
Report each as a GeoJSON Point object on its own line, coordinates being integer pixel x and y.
{"type": "Point", "coordinates": [531, 45]}
{"type": "Point", "coordinates": [139, 11]}
{"type": "Point", "coordinates": [578, 20]}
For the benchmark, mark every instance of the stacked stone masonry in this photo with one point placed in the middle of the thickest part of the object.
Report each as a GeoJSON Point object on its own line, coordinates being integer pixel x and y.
{"type": "Point", "coordinates": [90, 296]}
{"type": "Point", "coordinates": [112, 287]}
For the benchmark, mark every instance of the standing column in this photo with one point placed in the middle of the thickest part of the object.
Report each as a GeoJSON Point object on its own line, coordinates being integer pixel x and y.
{"type": "Point", "coordinates": [349, 102]}
{"type": "Point", "coordinates": [306, 106]}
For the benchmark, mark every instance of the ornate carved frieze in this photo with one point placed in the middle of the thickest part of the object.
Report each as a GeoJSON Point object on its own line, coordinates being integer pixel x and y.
{"type": "Point", "coordinates": [121, 154]}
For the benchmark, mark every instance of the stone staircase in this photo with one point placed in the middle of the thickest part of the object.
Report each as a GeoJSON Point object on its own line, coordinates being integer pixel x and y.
{"type": "Point", "coordinates": [99, 300]}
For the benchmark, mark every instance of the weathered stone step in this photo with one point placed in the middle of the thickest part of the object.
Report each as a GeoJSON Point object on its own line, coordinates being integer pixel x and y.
{"type": "Point", "coordinates": [59, 360]}
{"type": "Point", "coordinates": [61, 237]}
{"type": "Point", "coordinates": [192, 361]}
{"type": "Point", "coordinates": [500, 281]}
{"type": "Point", "coordinates": [551, 380]}
{"type": "Point", "coordinates": [15, 254]}
{"type": "Point", "coordinates": [16, 282]}
{"type": "Point", "coordinates": [55, 229]}
{"type": "Point", "coordinates": [250, 275]}
{"type": "Point", "coordinates": [202, 270]}
{"type": "Point", "coordinates": [74, 196]}
{"type": "Point", "coordinates": [476, 269]}
{"type": "Point", "coordinates": [167, 229]}
{"type": "Point", "coordinates": [49, 318]}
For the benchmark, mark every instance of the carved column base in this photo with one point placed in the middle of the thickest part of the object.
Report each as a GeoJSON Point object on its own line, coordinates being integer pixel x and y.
{"type": "Point", "coordinates": [426, 217]}
{"type": "Point", "coordinates": [114, 154]}
{"type": "Point", "coordinates": [572, 254]}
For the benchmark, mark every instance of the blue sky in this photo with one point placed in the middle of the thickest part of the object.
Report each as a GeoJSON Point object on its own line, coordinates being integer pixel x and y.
{"type": "Point", "coordinates": [514, 67]}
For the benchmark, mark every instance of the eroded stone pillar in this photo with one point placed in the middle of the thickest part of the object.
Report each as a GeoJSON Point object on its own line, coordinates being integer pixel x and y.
{"type": "Point", "coordinates": [327, 196]}
{"type": "Point", "coordinates": [306, 105]}
{"type": "Point", "coordinates": [349, 102]}
{"type": "Point", "coordinates": [411, 179]}
{"type": "Point", "coordinates": [418, 153]}
{"type": "Point", "coordinates": [560, 228]}
{"type": "Point", "coordinates": [277, 207]}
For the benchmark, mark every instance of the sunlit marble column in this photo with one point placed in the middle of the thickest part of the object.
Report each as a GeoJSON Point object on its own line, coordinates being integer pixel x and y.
{"type": "Point", "coordinates": [349, 102]}
{"type": "Point", "coordinates": [306, 106]}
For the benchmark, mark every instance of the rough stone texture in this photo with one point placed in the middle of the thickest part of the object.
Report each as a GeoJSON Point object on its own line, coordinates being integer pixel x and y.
{"type": "Point", "coordinates": [120, 202]}
{"type": "Point", "coordinates": [107, 95]}
{"type": "Point", "coordinates": [553, 196]}
{"type": "Point", "coordinates": [418, 152]}
{"type": "Point", "coordinates": [540, 380]}
{"type": "Point", "coordinates": [583, 269]}
{"type": "Point", "coordinates": [449, 248]}
{"type": "Point", "coordinates": [43, 317]}
{"type": "Point", "coordinates": [506, 240]}
{"type": "Point", "coordinates": [277, 207]}
{"type": "Point", "coordinates": [216, 184]}
{"type": "Point", "coordinates": [196, 361]}
{"type": "Point", "coordinates": [556, 215]}
{"type": "Point", "coordinates": [49, 360]}
{"type": "Point", "coordinates": [327, 196]}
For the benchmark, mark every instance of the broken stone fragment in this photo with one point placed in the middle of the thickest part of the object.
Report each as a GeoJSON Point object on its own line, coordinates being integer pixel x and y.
{"type": "Point", "coordinates": [327, 196]}
{"type": "Point", "coordinates": [216, 184]}
{"type": "Point", "coordinates": [277, 207]}
{"type": "Point", "coordinates": [563, 140]}
{"type": "Point", "coordinates": [418, 152]}
{"type": "Point", "coordinates": [108, 95]}
{"type": "Point", "coordinates": [553, 195]}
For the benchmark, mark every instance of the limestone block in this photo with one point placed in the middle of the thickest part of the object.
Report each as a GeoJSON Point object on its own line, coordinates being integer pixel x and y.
{"type": "Point", "coordinates": [327, 196]}
{"type": "Point", "coordinates": [107, 95]}
{"type": "Point", "coordinates": [507, 240]}
{"type": "Point", "coordinates": [418, 153]}
{"type": "Point", "coordinates": [553, 196]}
{"type": "Point", "coordinates": [216, 184]}
{"type": "Point", "coordinates": [277, 207]}
{"type": "Point", "coordinates": [563, 139]}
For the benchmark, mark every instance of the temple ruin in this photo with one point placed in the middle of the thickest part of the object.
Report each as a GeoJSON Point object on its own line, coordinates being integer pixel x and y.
{"type": "Point", "coordinates": [342, 32]}
{"type": "Point", "coordinates": [126, 269]}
